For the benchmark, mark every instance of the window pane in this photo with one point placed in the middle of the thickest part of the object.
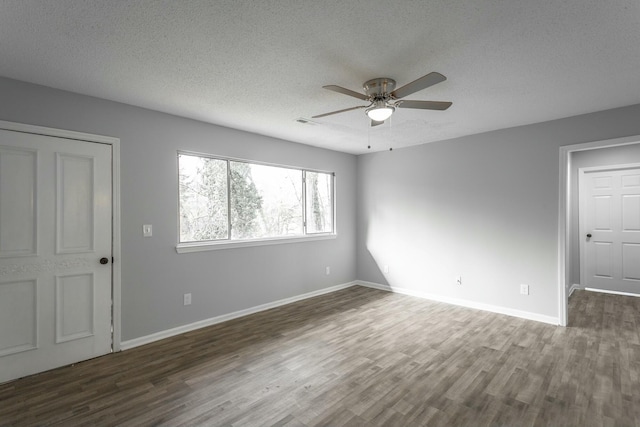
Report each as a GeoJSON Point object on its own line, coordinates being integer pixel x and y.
{"type": "Point", "coordinates": [266, 201]}
{"type": "Point", "coordinates": [203, 198]}
{"type": "Point", "coordinates": [319, 203]}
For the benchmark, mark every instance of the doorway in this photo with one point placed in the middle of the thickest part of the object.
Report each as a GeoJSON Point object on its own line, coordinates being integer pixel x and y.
{"type": "Point", "coordinates": [609, 223]}
{"type": "Point", "coordinates": [572, 157]}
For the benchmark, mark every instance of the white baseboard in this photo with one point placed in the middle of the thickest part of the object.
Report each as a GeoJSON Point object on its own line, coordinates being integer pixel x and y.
{"type": "Point", "coordinates": [606, 291]}
{"type": "Point", "coordinates": [147, 339]}
{"type": "Point", "coordinates": [574, 287]}
{"type": "Point", "coordinates": [136, 342]}
{"type": "Point", "coordinates": [464, 303]}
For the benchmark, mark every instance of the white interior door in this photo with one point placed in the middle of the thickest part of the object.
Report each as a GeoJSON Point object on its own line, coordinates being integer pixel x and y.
{"type": "Point", "coordinates": [55, 227]}
{"type": "Point", "coordinates": [610, 229]}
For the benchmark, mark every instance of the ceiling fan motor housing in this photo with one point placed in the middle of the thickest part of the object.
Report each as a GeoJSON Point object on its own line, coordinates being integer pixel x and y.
{"type": "Point", "coordinates": [379, 88]}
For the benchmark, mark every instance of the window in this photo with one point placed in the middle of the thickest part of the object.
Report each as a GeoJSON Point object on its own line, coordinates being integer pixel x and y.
{"type": "Point", "coordinates": [204, 214]}
{"type": "Point", "coordinates": [319, 202]}
{"type": "Point", "coordinates": [224, 200]}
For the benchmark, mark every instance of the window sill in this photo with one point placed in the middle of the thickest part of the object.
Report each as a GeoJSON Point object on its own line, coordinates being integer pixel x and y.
{"type": "Point", "coordinates": [183, 248]}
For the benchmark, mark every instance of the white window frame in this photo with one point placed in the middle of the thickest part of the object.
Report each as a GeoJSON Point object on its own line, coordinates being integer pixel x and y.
{"type": "Point", "coordinates": [228, 243]}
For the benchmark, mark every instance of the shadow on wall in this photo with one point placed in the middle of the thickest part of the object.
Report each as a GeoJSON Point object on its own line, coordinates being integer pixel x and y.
{"type": "Point", "coordinates": [485, 212]}
{"type": "Point", "coordinates": [427, 246]}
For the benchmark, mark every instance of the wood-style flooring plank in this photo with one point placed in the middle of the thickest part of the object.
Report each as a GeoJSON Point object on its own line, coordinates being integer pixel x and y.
{"type": "Point", "coordinates": [358, 357]}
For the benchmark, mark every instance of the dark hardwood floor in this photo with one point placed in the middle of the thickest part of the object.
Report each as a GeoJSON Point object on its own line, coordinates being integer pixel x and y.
{"type": "Point", "coordinates": [359, 357]}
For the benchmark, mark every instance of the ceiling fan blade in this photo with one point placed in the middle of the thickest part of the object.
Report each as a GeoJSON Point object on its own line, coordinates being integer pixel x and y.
{"type": "Point", "coordinates": [424, 105]}
{"type": "Point", "coordinates": [416, 85]}
{"type": "Point", "coordinates": [376, 123]}
{"type": "Point", "coordinates": [336, 112]}
{"type": "Point", "coordinates": [349, 92]}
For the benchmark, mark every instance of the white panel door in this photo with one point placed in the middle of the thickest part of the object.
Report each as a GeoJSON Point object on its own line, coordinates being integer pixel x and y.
{"type": "Point", "coordinates": [55, 230]}
{"type": "Point", "coordinates": [610, 228]}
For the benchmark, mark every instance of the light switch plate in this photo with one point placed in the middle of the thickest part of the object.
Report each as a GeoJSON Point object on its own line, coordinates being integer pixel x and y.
{"type": "Point", "coordinates": [147, 230]}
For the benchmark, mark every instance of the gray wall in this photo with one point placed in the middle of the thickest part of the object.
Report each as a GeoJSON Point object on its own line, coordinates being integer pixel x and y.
{"type": "Point", "coordinates": [484, 207]}
{"type": "Point", "coordinates": [601, 157]}
{"type": "Point", "coordinates": [154, 276]}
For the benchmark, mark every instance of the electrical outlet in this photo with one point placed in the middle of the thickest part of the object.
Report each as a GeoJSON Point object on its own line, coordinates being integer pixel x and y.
{"type": "Point", "coordinates": [459, 280]}
{"type": "Point", "coordinates": [147, 230]}
{"type": "Point", "coordinates": [187, 299]}
{"type": "Point", "coordinates": [524, 289]}
{"type": "Point", "coordinates": [327, 271]}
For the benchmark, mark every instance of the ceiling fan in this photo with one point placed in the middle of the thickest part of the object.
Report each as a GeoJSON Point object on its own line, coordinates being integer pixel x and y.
{"type": "Point", "coordinates": [384, 99]}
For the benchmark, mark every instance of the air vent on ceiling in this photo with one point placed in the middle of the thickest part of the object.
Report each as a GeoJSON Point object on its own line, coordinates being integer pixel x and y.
{"type": "Point", "coordinates": [305, 121]}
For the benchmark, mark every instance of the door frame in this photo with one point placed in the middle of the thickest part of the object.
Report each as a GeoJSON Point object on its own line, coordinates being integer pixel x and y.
{"type": "Point", "coordinates": [115, 214]}
{"type": "Point", "coordinates": [565, 222]}
{"type": "Point", "coordinates": [581, 208]}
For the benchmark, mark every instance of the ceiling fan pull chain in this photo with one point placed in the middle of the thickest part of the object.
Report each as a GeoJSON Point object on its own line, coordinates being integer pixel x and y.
{"type": "Point", "coordinates": [390, 134]}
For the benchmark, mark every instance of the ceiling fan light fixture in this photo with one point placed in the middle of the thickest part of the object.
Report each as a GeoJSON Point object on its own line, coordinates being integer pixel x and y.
{"type": "Point", "coordinates": [380, 112]}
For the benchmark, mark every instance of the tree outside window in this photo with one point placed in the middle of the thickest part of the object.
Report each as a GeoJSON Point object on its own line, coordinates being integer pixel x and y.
{"type": "Point", "coordinates": [221, 199]}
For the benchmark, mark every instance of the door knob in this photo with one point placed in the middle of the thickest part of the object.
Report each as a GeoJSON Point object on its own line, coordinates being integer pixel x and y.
{"type": "Point", "coordinates": [589, 236]}
{"type": "Point", "coordinates": [104, 260]}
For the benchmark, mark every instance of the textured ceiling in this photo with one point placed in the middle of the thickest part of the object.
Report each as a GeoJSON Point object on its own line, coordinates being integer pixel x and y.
{"type": "Point", "coordinates": [260, 65]}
